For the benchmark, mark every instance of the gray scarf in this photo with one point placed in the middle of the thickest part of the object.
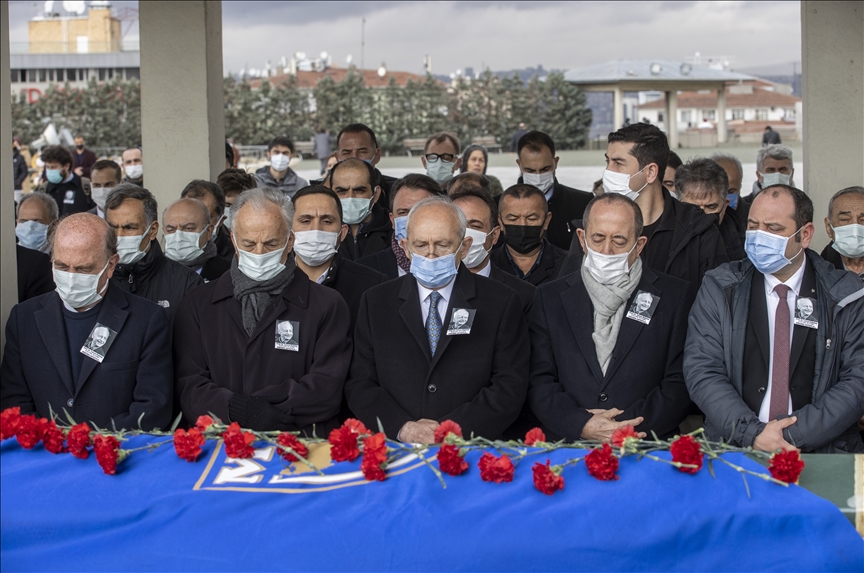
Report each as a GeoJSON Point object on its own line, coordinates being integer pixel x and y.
{"type": "Point", "coordinates": [610, 302]}
{"type": "Point", "coordinates": [256, 296]}
{"type": "Point", "coordinates": [198, 262]}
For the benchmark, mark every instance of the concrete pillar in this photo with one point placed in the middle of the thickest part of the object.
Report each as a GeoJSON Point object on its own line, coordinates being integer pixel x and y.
{"type": "Point", "coordinates": [672, 119]}
{"type": "Point", "coordinates": [9, 276]}
{"type": "Point", "coordinates": [721, 115]}
{"type": "Point", "coordinates": [617, 108]}
{"type": "Point", "coordinates": [832, 36]}
{"type": "Point", "coordinates": [182, 108]}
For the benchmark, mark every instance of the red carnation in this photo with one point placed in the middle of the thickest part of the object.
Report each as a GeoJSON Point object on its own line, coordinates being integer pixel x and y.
{"type": "Point", "coordinates": [290, 441]}
{"type": "Point", "coordinates": [445, 428]}
{"type": "Point", "coordinates": [9, 419]}
{"type": "Point", "coordinates": [546, 479]}
{"type": "Point", "coordinates": [687, 451]}
{"type": "Point", "coordinates": [78, 439]}
{"type": "Point", "coordinates": [496, 469]}
{"type": "Point", "coordinates": [203, 423]}
{"type": "Point", "coordinates": [188, 444]}
{"type": "Point", "coordinates": [374, 457]}
{"type": "Point", "coordinates": [786, 466]}
{"type": "Point", "coordinates": [356, 426]}
{"type": "Point", "coordinates": [30, 430]}
{"type": "Point", "coordinates": [621, 434]}
{"type": "Point", "coordinates": [108, 454]}
{"type": "Point", "coordinates": [237, 442]}
{"type": "Point", "coordinates": [450, 461]}
{"type": "Point", "coordinates": [53, 439]}
{"type": "Point", "coordinates": [602, 463]}
{"type": "Point", "coordinates": [533, 436]}
{"type": "Point", "coordinates": [343, 444]}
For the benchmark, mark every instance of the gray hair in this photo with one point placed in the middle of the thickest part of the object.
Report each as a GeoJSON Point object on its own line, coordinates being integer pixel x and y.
{"type": "Point", "coordinates": [616, 198]}
{"type": "Point", "coordinates": [728, 157]}
{"type": "Point", "coordinates": [48, 203]}
{"type": "Point", "coordinates": [262, 199]}
{"type": "Point", "coordinates": [699, 177]}
{"type": "Point", "coordinates": [774, 151]}
{"type": "Point", "coordinates": [439, 200]}
{"type": "Point", "coordinates": [198, 203]}
{"type": "Point", "coordinates": [131, 191]}
{"type": "Point", "coordinates": [854, 190]}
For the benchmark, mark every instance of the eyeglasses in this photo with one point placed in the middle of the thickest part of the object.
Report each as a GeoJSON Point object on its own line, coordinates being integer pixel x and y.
{"type": "Point", "coordinates": [446, 157]}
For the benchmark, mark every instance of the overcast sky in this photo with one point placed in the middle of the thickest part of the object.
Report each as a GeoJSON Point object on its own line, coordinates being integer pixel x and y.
{"type": "Point", "coordinates": [500, 35]}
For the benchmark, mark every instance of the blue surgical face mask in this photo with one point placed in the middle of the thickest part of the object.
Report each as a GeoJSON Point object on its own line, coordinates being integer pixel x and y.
{"type": "Point", "coordinates": [767, 251]}
{"type": "Point", "coordinates": [54, 176]}
{"type": "Point", "coordinates": [32, 234]}
{"type": "Point", "coordinates": [433, 273]}
{"type": "Point", "coordinates": [354, 210]}
{"type": "Point", "coordinates": [401, 227]}
{"type": "Point", "coordinates": [733, 200]}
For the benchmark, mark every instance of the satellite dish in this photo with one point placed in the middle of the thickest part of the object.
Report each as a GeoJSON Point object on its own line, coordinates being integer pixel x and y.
{"type": "Point", "coordinates": [324, 56]}
{"type": "Point", "coordinates": [382, 71]}
{"type": "Point", "coordinates": [300, 55]}
{"type": "Point", "coordinates": [348, 59]}
{"type": "Point", "coordinates": [686, 69]}
{"type": "Point", "coordinates": [49, 7]}
{"type": "Point", "coordinates": [656, 69]}
{"type": "Point", "coordinates": [75, 7]}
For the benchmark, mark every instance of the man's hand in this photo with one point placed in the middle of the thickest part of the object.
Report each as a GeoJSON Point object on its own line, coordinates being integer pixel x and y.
{"type": "Point", "coordinates": [79, 171]}
{"type": "Point", "coordinates": [770, 439]}
{"type": "Point", "coordinates": [602, 425]}
{"type": "Point", "coordinates": [420, 432]}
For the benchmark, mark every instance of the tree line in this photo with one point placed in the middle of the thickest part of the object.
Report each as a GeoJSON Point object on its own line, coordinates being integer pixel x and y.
{"type": "Point", "coordinates": [109, 114]}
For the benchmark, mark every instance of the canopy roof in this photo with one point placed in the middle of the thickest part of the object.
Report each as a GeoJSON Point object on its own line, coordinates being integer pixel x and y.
{"type": "Point", "coordinates": [642, 71]}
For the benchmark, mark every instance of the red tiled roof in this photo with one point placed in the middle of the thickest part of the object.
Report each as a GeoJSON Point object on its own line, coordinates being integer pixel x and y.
{"type": "Point", "coordinates": [309, 80]}
{"type": "Point", "coordinates": [759, 98]}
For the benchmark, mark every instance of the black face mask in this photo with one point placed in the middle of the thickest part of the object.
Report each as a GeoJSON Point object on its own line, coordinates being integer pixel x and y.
{"type": "Point", "coordinates": [523, 238]}
{"type": "Point", "coordinates": [79, 147]}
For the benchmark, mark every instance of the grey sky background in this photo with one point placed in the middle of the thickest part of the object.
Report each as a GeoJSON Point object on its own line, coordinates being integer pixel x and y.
{"type": "Point", "coordinates": [500, 35]}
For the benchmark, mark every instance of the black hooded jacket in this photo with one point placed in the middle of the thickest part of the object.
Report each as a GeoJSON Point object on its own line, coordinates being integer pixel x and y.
{"type": "Point", "coordinates": [371, 237]}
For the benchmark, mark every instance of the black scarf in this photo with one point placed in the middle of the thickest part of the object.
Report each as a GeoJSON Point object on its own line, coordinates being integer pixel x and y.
{"type": "Point", "coordinates": [198, 262]}
{"type": "Point", "coordinates": [255, 296]}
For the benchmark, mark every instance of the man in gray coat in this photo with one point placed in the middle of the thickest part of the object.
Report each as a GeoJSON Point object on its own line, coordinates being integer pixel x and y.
{"type": "Point", "coordinates": [764, 374]}
{"type": "Point", "coordinates": [322, 148]}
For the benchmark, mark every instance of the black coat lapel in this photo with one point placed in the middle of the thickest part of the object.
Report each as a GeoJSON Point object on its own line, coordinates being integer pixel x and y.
{"type": "Point", "coordinates": [49, 320]}
{"type": "Point", "coordinates": [113, 315]}
{"type": "Point", "coordinates": [463, 292]}
{"type": "Point", "coordinates": [411, 315]}
{"type": "Point", "coordinates": [800, 333]}
{"type": "Point", "coordinates": [580, 316]}
{"type": "Point", "coordinates": [759, 316]}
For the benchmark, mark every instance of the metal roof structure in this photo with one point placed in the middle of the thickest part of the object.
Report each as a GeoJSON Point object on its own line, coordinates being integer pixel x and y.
{"type": "Point", "coordinates": [664, 71]}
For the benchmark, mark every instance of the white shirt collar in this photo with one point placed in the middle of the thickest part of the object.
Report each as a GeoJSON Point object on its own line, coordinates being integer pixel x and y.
{"type": "Point", "coordinates": [794, 282]}
{"type": "Point", "coordinates": [485, 271]}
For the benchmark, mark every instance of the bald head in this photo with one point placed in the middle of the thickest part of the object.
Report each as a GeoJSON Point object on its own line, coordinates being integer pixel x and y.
{"type": "Point", "coordinates": [84, 243]}
{"type": "Point", "coordinates": [185, 215]}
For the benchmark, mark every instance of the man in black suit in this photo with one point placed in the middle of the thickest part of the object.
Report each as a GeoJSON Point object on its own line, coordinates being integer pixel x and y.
{"type": "Point", "coordinates": [358, 141]}
{"type": "Point", "coordinates": [189, 239]}
{"type": "Point", "coordinates": [233, 353]}
{"type": "Point", "coordinates": [527, 253]}
{"type": "Point", "coordinates": [607, 342]}
{"type": "Point", "coordinates": [411, 371]}
{"type": "Point", "coordinates": [34, 273]}
{"type": "Point", "coordinates": [369, 227]}
{"type": "Point", "coordinates": [537, 161]}
{"type": "Point", "coordinates": [481, 214]}
{"type": "Point", "coordinates": [318, 231]}
{"type": "Point", "coordinates": [405, 193]}
{"type": "Point", "coordinates": [214, 198]}
{"type": "Point", "coordinates": [100, 353]}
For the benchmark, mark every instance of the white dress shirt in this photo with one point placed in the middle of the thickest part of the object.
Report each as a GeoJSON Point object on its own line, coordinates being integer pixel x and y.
{"type": "Point", "coordinates": [485, 271]}
{"type": "Point", "coordinates": [400, 271]}
{"type": "Point", "coordinates": [425, 293]}
{"type": "Point", "coordinates": [773, 299]}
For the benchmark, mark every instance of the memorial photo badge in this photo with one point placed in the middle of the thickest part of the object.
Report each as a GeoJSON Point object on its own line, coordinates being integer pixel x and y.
{"type": "Point", "coordinates": [98, 342]}
{"type": "Point", "coordinates": [643, 307]}
{"type": "Point", "coordinates": [287, 335]}
{"type": "Point", "coordinates": [461, 321]}
{"type": "Point", "coordinates": [805, 312]}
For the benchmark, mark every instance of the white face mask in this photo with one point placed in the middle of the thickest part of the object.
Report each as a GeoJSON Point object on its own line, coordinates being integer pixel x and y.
{"type": "Point", "coordinates": [279, 161]}
{"type": "Point", "coordinates": [356, 209]}
{"type": "Point", "coordinates": [849, 240]}
{"type": "Point", "coordinates": [78, 289]}
{"type": "Point", "coordinates": [315, 247]}
{"type": "Point", "coordinates": [260, 267]}
{"type": "Point", "coordinates": [776, 178]}
{"type": "Point", "coordinates": [607, 269]}
{"type": "Point", "coordinates": [128, 249]}
{"type": "Point", "coordinates": [134, 171]}
{"type": "Point", "coordinates": [477, 252]}
{"type": "Point", "coordinates": [542, 181]}
{"type": "Point", "coordinates": [441, 171]}
{"type": "Point", "coordinates": [99, 195]}
{"type": "Point", "coordinates": [183, 245]}
{"type": "Point", "coordinates": [614, 182]}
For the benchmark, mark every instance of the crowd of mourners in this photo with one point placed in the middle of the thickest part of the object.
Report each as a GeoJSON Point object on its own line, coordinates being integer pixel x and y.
{"type": "Point", "coordinates": [666, 299]}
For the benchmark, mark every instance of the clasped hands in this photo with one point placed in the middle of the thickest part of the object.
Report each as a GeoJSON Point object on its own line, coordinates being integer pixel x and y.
{"type": "Point", "coordinates": [419, 432]}
{"type": "Point", "coordinates": [602, 425]}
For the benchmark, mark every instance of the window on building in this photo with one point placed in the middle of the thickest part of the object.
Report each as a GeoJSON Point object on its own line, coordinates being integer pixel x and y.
{"type": "Point", "coordinates": [133, 74]}
{"type": "Point", "coordinates": [762, 114]}
{"type": "Point", "coordinates": [101, 74]}
{"type": "Point", "coordinates": [14, 75]}
{"type": "Point", "coordinates": [660, 117]}
{"type": "Point", "coordinates": [43, 75]}
{"type": "Point", "coordinates": [71, 75]}
{"type": "Point", "coordinates": [738, 113]}
{"type": "Point", "coordinates": [789, 113]}
{"type": "Point", "coordinates": [61, 76]}
{"type": "Point", "coordinates": [686, 116]}
{"type": "Point", "coordinates": [51, 75]}
{"type": "Point", "coordinates": [709, 114]}
{"type": "Point", "coordinates": [32, 76]}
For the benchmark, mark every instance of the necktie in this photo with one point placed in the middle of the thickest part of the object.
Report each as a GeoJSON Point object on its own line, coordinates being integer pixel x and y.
{"type": "Point", "coordinates": [779, 405]}
{"type": "Point", "coordinates": [433, 321]}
